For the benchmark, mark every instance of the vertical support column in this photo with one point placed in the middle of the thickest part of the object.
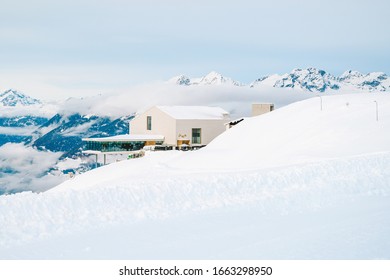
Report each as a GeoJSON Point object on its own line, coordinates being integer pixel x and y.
{"type": "Point", "coordinates": [105, 159]}
{"type": "Point", "coordinates": [376, 110]}
{"type": "Point", "coordinates": [320, 101]}
{"type": "Point", "coordinates": [97, 157]}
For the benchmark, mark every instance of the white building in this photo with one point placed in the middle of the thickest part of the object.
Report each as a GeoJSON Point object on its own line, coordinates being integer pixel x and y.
{"type": "Point", "coordinates": [190, 125]}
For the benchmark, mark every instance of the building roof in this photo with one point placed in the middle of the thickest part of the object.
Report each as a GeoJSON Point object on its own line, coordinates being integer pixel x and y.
{"type": "Point", "coordinates": [127, 138]}
{"type": "Point", "coordinates": [195, 112]}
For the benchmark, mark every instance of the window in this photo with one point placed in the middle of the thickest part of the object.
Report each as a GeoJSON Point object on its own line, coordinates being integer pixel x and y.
{"type": "Point", "coordinates": [196, 136]}
{"type": "Point", "coordinates": [149, 122]}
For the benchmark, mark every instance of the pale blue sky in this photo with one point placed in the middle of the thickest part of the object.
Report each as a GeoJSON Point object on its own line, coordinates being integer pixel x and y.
{"type": "Point", "coordinates": [63, 48]}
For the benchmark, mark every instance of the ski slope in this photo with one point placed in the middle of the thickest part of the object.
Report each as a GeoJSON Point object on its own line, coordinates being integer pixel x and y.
{"type": "Point", "coordinates": [296, 183]}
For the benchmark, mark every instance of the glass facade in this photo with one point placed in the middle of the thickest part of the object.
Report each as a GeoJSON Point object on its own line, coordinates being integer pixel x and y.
{"type": "Point", "coordinates": [196, 136]}
{"type": "Point", "coordinates": [115, 146]}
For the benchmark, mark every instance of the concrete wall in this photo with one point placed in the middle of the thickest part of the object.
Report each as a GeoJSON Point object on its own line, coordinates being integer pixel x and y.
{"type": "Point", "coordinates": [162, 124]}
{"type": "Point", "coordinates": [173, 130]}
{"type": "Point", "coordinates": [259, 109]}
{"type": "Point", "coordinates": [209, 129]}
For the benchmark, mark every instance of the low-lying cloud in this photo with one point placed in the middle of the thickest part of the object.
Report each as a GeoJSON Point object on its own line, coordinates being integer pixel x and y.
{"type": "Point", "coordinates": [25, 168]}
{"type": "Point", "coordinates": [236, 100]}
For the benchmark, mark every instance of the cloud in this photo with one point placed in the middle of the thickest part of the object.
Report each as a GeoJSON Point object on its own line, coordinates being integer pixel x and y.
{"type": "Point", "coordinates": [78, 130]}
{"type": "Point", "coordinates": [22, 131]}
{"type": "Point", "coordinates": [236, 100]}
{"type": "Point", "coordinates": [25, 168]}
{"type": "Point", "coordinates": [47, 110]}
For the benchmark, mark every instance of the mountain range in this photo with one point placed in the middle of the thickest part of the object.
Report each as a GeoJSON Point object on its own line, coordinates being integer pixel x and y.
{"type": "Point", "coordinates": [309, 79]}
{"type": "Point", "coordinates": [213, 78]}
{"type": "Point", "coordinates": [60, 134]}
{"type": "Point", "coordinates": [45, 127]}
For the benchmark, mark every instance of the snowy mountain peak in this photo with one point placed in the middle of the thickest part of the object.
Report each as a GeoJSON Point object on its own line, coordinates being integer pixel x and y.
{"type": "Point", "coordinates": [374, 81]}
{"type": "Point", "coordinates": [350, 74]}
{"type": "Point", "coordinates": [12, 98]}
{"type": "Point", "coordinates": [213, 78]}
{"type": "Point", "coordinates": [180, 80]}
{"type": "Point", "coordinates": [310, 79]}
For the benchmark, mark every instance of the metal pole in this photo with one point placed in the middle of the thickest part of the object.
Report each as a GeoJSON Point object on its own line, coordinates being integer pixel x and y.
{"type": "Point", "coordinates": [320, 101]}
{"type": "Point", "coordinates": [376, 107]}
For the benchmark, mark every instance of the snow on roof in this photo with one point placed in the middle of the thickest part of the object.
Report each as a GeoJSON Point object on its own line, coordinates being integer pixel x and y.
{"type": "Point", "coordinates": [195, 112]}
{"type": "Point", "coordinates": [127, 137]}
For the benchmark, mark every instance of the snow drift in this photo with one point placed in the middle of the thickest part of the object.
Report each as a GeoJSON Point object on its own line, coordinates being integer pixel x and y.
{"type": "Point", "coordinates": [297, 183]}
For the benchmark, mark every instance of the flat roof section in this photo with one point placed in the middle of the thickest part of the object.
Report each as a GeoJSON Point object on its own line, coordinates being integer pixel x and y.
{"type": "Point", "coordinates": [127, 138]}
{"type": "Point", "coordinates": [195, 112]}
{"type": "Point", "coordinates": [93, 152]}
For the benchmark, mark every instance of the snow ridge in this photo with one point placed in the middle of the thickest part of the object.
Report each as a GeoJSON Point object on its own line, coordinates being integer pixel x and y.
{"type": "Point", "coordinates": [282, 191]}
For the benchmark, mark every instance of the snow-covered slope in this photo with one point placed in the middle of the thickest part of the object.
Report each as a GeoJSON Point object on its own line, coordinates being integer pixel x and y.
{"type": "Point", "coordinates": [302, 132]}
{"type": "Point", "coordinates": [299, 182]}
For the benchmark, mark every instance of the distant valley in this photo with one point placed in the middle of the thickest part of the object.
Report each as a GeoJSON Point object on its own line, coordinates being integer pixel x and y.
{"type": "Point", "coordinates": [52, 131]}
